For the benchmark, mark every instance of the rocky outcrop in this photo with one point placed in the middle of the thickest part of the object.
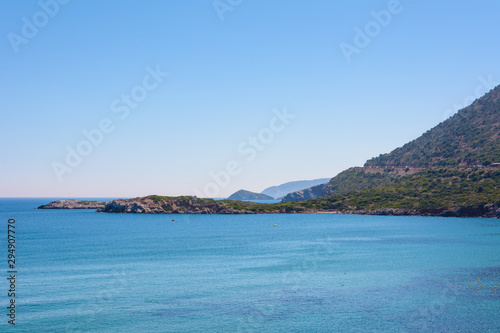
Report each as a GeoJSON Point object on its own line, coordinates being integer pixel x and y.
{"type": "Point", "coordinates": [489, 211]}
{"type": "Point", "coordinates": [169, 205]}
{"type": "Point", "coordinates": [72, 204]}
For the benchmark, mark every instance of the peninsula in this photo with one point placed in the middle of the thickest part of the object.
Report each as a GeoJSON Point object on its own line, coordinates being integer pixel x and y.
{"type": "Point", "coordinates": [451, 170]}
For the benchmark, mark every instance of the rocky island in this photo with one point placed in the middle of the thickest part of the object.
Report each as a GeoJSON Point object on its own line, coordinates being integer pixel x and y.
{"type": "Point", "coordinates": [72, 204]}
{"type": "Point", "coordinates": [155, 204]}
{"type": "Point", "coordinates": [247, 195]}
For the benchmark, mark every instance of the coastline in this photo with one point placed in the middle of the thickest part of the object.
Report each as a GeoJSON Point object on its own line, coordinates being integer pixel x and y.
{"type": "Point", "coordinates": [194, 205]}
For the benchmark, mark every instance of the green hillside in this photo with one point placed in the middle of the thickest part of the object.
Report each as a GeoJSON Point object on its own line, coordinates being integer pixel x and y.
{"type": "Point", "coordinates": [426, 190]}
{"type": "Point", "coordinates": [353, 179]}
{"type": "Point", "coordinates": [437, 170]}
{"type": "Point", "coordinates": [470, 137]}
{"type": "Point", "coordinates": [356, 179]}
{"type": "Point", "coordinates": [430, 189]}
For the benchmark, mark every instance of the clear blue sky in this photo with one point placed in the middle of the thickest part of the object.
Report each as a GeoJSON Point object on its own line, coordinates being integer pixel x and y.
{"type": "Point", "coordinates": [65, 70]}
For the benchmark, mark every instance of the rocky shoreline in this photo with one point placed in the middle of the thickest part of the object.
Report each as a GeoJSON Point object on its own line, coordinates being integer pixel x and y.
{"type": "Point", "coordinates": [184, 205]}
{"type": "Point", "coordinates": [194, 205]}
{"type": "Point", "coordinates": [72, 204]}
{"type": "Point", "coordinates": [487, 211]}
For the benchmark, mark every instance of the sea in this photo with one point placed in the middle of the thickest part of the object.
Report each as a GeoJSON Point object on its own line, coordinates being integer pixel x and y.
{"type": "Point", "coordinates": [82, 271]}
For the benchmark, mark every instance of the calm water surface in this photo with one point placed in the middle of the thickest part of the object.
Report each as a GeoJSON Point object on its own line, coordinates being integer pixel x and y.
{"type": "Point", "coordinates": [80, 271]}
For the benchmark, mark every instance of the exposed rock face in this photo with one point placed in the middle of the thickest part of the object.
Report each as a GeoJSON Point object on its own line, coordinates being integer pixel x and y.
{"type": "Point", "coordinates": [169, 205]}
{"type": "Point", "coordinates": [72, 204]}
{"type": "Point", "coordinates": [489, 210]}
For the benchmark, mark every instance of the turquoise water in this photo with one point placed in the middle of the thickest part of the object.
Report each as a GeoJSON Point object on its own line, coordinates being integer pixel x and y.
{"type": "Point", "coordinates": [80, 271]}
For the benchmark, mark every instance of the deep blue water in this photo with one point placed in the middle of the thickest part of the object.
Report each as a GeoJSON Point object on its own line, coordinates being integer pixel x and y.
{"type": "Point", "coordinates": [80, 271]}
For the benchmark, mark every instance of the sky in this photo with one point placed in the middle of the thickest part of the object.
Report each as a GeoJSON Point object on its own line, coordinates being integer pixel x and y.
{"type": "Point", "coordinates": [202, 97]}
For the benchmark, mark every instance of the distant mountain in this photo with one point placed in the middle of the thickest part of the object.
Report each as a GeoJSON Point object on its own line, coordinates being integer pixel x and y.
{"type": "Point", "coordinates": [283, 189]}
{"type": "Point", "coordinates": [247, 195]}
{"type": "Point", "coordinates": [469, 138]}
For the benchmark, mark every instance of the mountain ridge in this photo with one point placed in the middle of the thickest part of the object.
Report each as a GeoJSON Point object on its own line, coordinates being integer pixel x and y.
{"type": "Point", "coordinates": [471, 137]}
